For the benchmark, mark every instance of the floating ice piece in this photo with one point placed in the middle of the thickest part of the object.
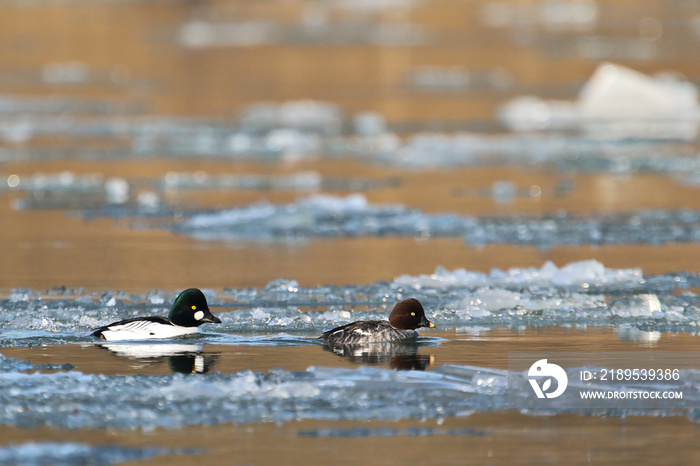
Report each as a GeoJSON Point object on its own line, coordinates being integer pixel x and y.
{"type": "Point", "coordinates": [200, 34]}
{"type": "Point", "coordinates": [34, 106]}
{"type": "Point", "coordinates": [458, 78]}
{"type": "Point", "coordinates": [74, 72]}
{"type": "Point", "coordinates": [372, 7]}
{"type": "Point", "coordinates": [324, 215]}
{"type": "Point", "coordinates": [580, 273]}
{"type": "Point", "coordinates": [641, 305]}
{"type": "Point", "coordinates": [65, 454]}
{"type": "Point", "coordinates": [369, 124]}
{"type": "Point", "coordinates": [615, 103]}
{"type": "Point", "coordinates": [68, 190]}
{"type": "Point", "coordinates": [320, 215]}
{"type": "Point", "coordinates": [117, 190]}
{"type": "Point", "coordinates": [504, 192]}
{"type": "Point", "coordinates": [18, 365]}
{"type": "Point", "coordinates": [531, 113]}
{"type": "Point", "coordinates": [305, 115]}
{"type": "Point", "coordinates": [302, 181]}
{"type": "Point", "coordinates": [550, 15]}
{"type": "Point", "coordinates": [314, 28]}
{"type": "Point", "coordinates": [641, 227]}
{"type": "Point", "coordinates": [148, 200]}
{"type": "Point", "coordinates": [282, 285]}
{"type": "Point", "coordinates": [620, 102]}
{"type": "Point", "coordinates": [156, 299]}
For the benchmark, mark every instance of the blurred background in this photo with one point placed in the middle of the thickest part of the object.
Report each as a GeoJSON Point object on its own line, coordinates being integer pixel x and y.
{"type": "Point", "coordinates": [121, 120]}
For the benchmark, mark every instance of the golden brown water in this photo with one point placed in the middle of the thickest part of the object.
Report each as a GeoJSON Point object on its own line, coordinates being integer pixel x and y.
{"type": "Point", "coordinates": [135, 43]}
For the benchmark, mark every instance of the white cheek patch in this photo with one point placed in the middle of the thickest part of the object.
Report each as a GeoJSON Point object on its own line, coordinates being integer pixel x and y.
{"type": "Point", "coordinates": [198, 315]}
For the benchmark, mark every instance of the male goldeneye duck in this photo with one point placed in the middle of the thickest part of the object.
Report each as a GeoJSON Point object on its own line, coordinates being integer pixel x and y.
{"type": "Point", "coordinates": [189, 311]}
{"type": "Point", "coordinates": [406, 316]}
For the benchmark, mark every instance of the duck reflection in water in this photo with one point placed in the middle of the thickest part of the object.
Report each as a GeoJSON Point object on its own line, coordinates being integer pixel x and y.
{"type": "Point", "coordinates": [391, 342]}
{"type": "Point", "coordinates": [396, 355]}
{"type": "Point", "coordinates": [181, 358]}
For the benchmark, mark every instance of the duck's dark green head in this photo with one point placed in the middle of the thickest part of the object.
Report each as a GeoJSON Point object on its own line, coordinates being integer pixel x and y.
{"type": "Point", "coordinates": [190, 309]}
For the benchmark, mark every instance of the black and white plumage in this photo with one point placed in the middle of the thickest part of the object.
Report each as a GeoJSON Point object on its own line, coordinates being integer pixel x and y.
{"type": "Point", "coordinates": [189, 311]}
{"type": "Point", "coordinates": [406, 316]}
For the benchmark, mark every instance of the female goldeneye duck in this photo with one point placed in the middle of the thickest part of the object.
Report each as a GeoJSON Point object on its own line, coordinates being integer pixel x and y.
{"type": "Point", "coordinates": [189, 311]}
{"type": "Point", "coordinates": [405, 318]}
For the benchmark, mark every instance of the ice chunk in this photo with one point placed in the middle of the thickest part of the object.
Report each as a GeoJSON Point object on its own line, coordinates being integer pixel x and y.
{"type": "Point", "coordinates": [334, 204]}
{"type": "Point", "coordinates": [641, 305]}
{"type": "Point", "coordinates": [650, 227]}
{"type": "Point", "coordinates": [369, 123]}
{"type": "Point", "coordinates": [618, 101]}
{"type": "Point", "coordinates": [34, 453]}
{"type": "Point", "coordinates": [320, 215]}
{"type": "Point", "coordinates": [199, 34]}
{"type": "Point", "coordinates": [335, 316]}
{"type": "Point", "coordinates": [302, 115]}
{"type": "Point", "coordinates": [552, 15]}
{"type": "Point", "coordinates": [531, 113]}
{"type": "Point", "coordinates": [156, 299]}
{"type": "Point", "coordinates": [615, 103]}
{"type": "Point", "coordinates": [582, 273]}
{"type": "Point", "coordinates": [74, 72]}
{"type": "Point", "coordinates": [504, 192]}
{"type": "Point", "coordinates": [117, 190]}
{"type": "Point", "coordinates": [495, 300]}
{"type": "Point", "coordinates": [17, 365]}
{"type": "Point", "coordinates": [282, 285]}
{"type": "Point", "coordinates": [148, 200]}
{"type": "Point", "coordinates": [302, 181]}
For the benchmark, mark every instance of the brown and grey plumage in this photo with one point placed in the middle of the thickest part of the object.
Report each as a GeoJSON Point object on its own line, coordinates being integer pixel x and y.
{"type": "Point", "coordinates": [405, 318]}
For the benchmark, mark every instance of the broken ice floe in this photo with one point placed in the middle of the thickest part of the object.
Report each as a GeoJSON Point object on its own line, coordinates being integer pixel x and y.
{"type": "Point", "coordinates": [199, 34]}
{"type": "Point", "coordinates": [351, 216]}
{"type": "Point", "coordinates": [67, 190]}
{"type": "Point", "coordinates": [457, 78]}
{"type": "Point", "coordinates": [15, 106]}
{"type": "Point", "coordinates": [320, 215]}
{"type": "Point", "coordinates": [69, 454]}
{"type": "Point", "coordinates": [17, 365]}
{"type": "Point", "coordinates": [590, 273]}
{"type": "Point", "coordinates": [299, 181]}
{"type": "Point", "coordinates": [641, 227]}
{"type": "Point", "coordinates": [616, 102]}
{"type": "Point", "coordinates": [74, 400]}
{"type": "Point", "coordinates": [557, 16]}
{"type": "Point", "coordinates": [120, 196]}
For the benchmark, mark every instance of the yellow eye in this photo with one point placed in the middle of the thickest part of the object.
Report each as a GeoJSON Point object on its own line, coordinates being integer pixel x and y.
{"type": "Point", "coordinates": [413, 314]}
{"type": "Point", "coordinates": [194, 307]}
